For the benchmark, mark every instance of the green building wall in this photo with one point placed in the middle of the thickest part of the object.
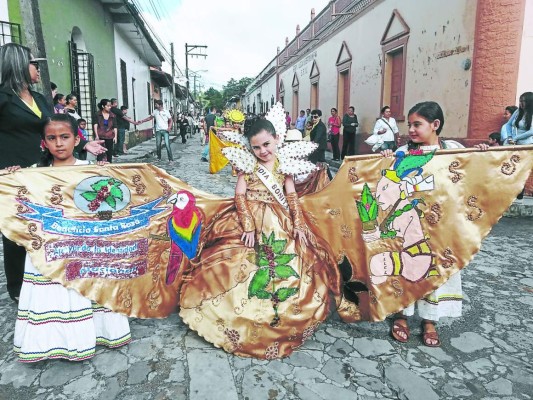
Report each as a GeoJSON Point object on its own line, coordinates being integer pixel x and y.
{"type": "Point", "coordinates": [58, 19]}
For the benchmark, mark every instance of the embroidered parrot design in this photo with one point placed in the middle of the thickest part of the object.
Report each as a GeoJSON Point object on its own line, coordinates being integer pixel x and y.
{"type": "Point", "coordinates": [184, 225]}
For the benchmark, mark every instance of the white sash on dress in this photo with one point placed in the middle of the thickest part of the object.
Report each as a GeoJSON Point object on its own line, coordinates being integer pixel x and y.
{"type": "Point", "coordinates": [272, 185]}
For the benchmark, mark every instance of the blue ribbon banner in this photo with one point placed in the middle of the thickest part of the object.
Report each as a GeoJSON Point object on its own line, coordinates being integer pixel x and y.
{"type": "Point", "coordinates": [52, 220]}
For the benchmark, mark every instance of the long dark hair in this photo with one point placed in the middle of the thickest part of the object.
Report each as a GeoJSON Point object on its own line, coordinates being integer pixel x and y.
{"type": "Point", "coordinates": [46, 157]}
{"type": "Point", "coordinates": [430, 111]}
{"type": "Point", "coordinates": [527, 111]}
{"type": "Point", "coordinates": [258, 126]}
{"type": "Point", "coordinates": [15, 67]}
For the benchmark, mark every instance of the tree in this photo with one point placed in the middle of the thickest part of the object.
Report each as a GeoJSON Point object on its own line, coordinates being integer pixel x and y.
{"type": "Point", "coordinates": [213, 98]}
{"type": "Point", "coordinates": [235, 88]}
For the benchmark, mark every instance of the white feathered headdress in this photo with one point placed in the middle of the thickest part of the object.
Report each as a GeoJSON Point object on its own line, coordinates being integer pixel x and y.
{"type": "Point", "coordinates": [291, 156]}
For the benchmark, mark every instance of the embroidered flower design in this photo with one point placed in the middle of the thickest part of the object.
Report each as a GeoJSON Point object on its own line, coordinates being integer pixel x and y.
{"type": "Point", "coordinates": [272, 351]}
{"type": "Point", "coordinates": [273, 266]}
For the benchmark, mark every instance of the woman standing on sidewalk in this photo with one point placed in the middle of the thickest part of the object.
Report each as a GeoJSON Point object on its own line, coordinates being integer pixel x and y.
{"type": "Point", "coordinates": [105, 127]}
{"type": "Point", "coordinates": [334, 125]}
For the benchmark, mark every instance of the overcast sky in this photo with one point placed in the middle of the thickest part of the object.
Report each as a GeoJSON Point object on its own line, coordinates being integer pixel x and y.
{"type": "Point", "coordinates": [241, 35]}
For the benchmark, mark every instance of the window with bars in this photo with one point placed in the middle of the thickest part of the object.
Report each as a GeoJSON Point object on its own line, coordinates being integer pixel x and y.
{"type": "Point", "coordinates": [124, 82]}
{"type": "Point", "coordinates": [9, 33]}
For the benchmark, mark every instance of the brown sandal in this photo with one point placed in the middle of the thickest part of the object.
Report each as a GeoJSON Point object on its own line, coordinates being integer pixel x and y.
{"type": "Point", "coordinates": [399, 328]}
{"type": "Point", "coordinates": [427, 337]}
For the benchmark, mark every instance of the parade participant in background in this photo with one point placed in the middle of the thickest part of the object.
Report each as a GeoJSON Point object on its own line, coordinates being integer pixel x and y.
{"type": "Point", "coordinates": [426, 121]}
{"type": "Point", "coordinates": [52, 321]}
{"type": "Point", "coordinates": [334, 125]}
{"type": "Point", "coordinates": [163, 126]}
{"type": "Point", "coordinates": [301, 121]}
{"type": "Point", "coordinates": [349, 127]}
{"type": "Point", "coordinates": [387, 130]}
{"type": "Point", "coordinates": [123, 125]}
{"type": "Point", "coordinates": [266, 224]}
{"type": "Point", "coordinates": [319, 136]}
{"type": "Point", "coordinates": [71, 102]}
{"type": "Point", "coordinates": [23, 113]}
{"type": "Point", "coordinates": [105, 127]}
{"type": "Point", "coordinates": [209, 121]}
{"type": "Point", "coordinates": [184, 127]}
{"type": "Point", "coordinates": [59, 103]}
{"type": "Point", "coordinates": [518, 129]}
{"type": "Point", "coordinates": [287, 119]}
{"type": "Point", "coordinates": [495, 139]}
{"type": "Point", "coordinates": [508, 112]}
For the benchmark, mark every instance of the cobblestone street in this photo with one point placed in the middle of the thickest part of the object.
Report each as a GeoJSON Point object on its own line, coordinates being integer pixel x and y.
{"type": "Point", "coordinates": [485, 354]}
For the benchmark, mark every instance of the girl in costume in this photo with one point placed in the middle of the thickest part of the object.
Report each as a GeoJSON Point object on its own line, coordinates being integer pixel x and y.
{"type": "Point", "coordinates": [426, 121]}
{"type": "Point", "coordinates": [52, 321]}
{"type": "Point", "coordinates": [261, 283]}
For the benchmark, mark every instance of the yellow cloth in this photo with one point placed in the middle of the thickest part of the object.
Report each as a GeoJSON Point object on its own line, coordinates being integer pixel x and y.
{"type": "Point", "coordinates": [217, 160]}
{"type": "Point", "coordinates": [122, 263]}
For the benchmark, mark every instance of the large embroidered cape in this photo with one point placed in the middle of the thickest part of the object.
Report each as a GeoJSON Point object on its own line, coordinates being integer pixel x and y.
{"type": "Point", "coordinates": [123, 235]}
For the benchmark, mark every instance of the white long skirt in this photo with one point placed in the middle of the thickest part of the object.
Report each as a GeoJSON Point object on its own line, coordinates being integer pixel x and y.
{"type": "Point", "coordinates": [55, 322]}
{"type": "Point", "coordinates": [446, 301]}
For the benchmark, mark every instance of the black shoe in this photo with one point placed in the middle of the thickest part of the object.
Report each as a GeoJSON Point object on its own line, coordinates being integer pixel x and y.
{"type": "Point", "coordinates": [15, 298]}
{"type": "Point", "coordinates": [184, 141]}
{"type": "Point", "coordinates": [204, 159]}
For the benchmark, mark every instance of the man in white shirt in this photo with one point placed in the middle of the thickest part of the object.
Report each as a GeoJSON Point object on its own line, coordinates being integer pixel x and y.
{"type": "Point", "coordinates": [163, 125]}
{"type": "Point", "coordinates": [387, 129]}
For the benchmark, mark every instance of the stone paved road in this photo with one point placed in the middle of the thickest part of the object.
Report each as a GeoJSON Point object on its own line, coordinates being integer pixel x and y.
{"type": "Point", "coordinates": [486, 354]}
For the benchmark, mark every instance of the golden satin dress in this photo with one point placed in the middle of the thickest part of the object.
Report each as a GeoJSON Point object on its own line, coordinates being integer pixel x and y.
{"type": "Point", "coordinates": [265, 301]}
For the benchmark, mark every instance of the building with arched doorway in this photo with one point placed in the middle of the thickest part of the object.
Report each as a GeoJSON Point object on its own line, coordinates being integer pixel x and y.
{"type": "Point", "coordinates": [470, 56]}
{"type": "Point", "coordinates": [96, 49]}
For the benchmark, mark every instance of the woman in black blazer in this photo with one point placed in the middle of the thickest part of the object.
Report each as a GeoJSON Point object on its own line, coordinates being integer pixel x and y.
{"type": "Point", "coordinates": [23, 113]}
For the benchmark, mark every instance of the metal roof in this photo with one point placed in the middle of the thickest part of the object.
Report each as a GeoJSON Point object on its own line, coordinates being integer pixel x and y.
{"type": "Point", "coordinates": [129, 23]}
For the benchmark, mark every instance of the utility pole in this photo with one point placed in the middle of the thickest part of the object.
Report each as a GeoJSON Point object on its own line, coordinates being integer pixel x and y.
{"type": "Point", "coordinates": [173, 91]}
{"type": "Point", "coordinates": [188, 52]}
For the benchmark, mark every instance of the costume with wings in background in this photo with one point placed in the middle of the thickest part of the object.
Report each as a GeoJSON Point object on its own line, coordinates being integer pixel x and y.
{"type": "Point", "coordinates": [136, 253]}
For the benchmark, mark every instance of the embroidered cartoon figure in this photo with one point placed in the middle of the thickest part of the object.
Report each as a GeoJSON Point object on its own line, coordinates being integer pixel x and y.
{"type": "Point", "coordinates": [184, 225]}
{"type": "Point", "coordinates": [415, 261]}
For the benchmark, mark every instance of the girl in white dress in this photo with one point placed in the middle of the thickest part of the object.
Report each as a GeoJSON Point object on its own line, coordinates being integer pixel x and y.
{"type": "Point", "coordinates": [426, 121]}
{"type": "Point", "coordinates": [52, 321]}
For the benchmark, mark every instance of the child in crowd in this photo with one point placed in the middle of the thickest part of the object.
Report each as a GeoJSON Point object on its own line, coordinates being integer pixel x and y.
{"type": "Point", "coordinates": [495, 139]}
{"type": "Point", "coordinates": [53, 321]}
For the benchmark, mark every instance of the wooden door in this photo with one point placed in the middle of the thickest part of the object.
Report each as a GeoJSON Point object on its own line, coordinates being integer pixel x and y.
{"type": "Point", "coordinates": [345, 92]}
{"type": "Point", "coordinates": [294, 107]}
{"type": "Point", "coordinates": [314, 96]}
{"type": "Point", "coordinates": [396, 61]}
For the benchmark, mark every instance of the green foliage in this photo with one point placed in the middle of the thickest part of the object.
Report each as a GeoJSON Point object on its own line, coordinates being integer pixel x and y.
{"type": "Point", "coordinates": [367, 207]}
{"type": "Point", "coordinates": [259, 282]}
{"type": "Point", "coordinates": [89, 196]}
{"type": "Point", "coordinates": [284, 293]}
{"type": "Point", "coordinates": [285, 272]}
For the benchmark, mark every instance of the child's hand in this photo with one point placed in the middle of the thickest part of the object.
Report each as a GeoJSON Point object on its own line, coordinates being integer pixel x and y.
{"type": "Point", "coordinates": [9, 170]}
{"type": "Point", "coordinates": [13, 168]}
{"type": "Point", "coordinates": [300, 235]}
{"type": "Point", "coordinates": [387, 153]}
{"type": "Point", "coordinates": [482, 146]}
{"type": "Point", "coordinates": [101, 163]}
{"type": "Point", "coordinates": [248, 238]}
